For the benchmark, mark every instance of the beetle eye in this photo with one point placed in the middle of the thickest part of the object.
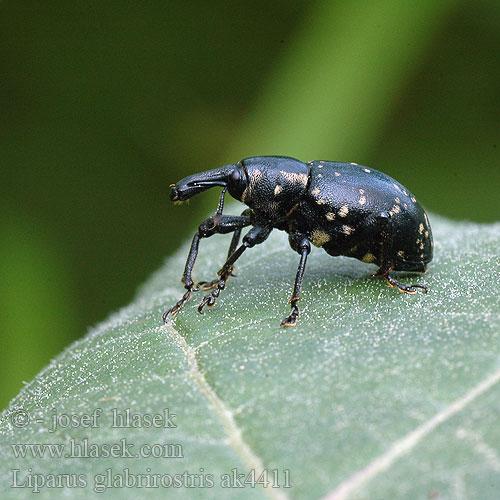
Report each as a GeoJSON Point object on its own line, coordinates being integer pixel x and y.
{"type": "Point", "coordinates": [236, 181]}
{"type": "Point", "coordinates": [235, 176]}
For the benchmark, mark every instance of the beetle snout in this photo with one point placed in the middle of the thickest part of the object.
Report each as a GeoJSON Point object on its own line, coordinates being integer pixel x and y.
{"type": "Point", "coordinates": [182, 191]}
{"type": "Point", "coordinates": [197, 183]}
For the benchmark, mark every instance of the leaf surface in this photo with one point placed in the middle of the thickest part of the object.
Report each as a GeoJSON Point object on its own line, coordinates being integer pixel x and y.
{"type": "Point", "coordinates": [373, 395]}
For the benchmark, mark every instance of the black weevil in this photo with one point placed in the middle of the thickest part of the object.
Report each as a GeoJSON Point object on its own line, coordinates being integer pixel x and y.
{"type": "Point", "coordinates": [345, 208]}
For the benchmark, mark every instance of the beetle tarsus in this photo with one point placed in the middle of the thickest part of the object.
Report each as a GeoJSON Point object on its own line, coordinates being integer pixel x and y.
{"type": "Point", "coordinates": [294, 316]}
{"type": "Point", "coordinates": [180, 304]}
{"type": "Point", "coordinates": [409, 289]}
{"type": "Point", "coordinates": [217, 287]}
{"type": "Point", "coordinates": [208, 285]}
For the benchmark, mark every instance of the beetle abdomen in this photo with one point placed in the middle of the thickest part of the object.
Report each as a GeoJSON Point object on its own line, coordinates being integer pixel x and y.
{"type": "Point", "coordinates": [355, 209]}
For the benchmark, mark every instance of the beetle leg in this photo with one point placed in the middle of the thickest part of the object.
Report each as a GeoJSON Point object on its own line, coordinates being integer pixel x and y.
{"type": "Point", "coordinates": [217, 224]}
{"type": "Point", "coordinates": [392, 282]}
{"type": "Point", "coordinates": [208, 285]}
{"type": "Point", "coordinates": [386, 267]}
{"type": "Point", "coordinates": [301, 245]}
{"type": "Point", "coordinates": [255, 236]}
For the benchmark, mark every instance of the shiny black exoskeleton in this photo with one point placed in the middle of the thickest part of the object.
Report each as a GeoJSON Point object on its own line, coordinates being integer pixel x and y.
{"type": "Point", "coordinates": [345, 208]}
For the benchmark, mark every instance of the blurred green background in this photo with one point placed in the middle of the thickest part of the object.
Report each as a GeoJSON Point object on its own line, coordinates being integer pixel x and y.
{"type": "Point", "coordinates": [104, 104]}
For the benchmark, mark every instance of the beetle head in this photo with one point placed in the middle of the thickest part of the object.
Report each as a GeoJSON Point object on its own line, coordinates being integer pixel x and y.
{"type": "Point", "coordinates": [230, 176]}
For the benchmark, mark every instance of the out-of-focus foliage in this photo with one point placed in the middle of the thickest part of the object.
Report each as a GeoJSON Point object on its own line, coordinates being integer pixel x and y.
{"type": "Point", "coordinates": [104, 104]}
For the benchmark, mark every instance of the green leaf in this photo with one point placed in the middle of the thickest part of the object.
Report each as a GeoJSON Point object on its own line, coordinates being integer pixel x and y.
{"type": "Point", "coordinates": [373, 395]}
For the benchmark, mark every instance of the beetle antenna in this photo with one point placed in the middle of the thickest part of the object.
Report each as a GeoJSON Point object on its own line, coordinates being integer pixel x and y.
{"type": "Point", "coordinates": [221, 201]}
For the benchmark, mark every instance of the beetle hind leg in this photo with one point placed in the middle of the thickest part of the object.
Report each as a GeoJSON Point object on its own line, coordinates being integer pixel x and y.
{"type": "Point", "coordinates": [383, 221]}
{"type": "Point", "coordinates": [392, 282]}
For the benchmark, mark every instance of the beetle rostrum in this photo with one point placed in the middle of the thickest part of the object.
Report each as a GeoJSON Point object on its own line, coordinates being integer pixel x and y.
{"type": "Point", "coordinates": [345, 208]}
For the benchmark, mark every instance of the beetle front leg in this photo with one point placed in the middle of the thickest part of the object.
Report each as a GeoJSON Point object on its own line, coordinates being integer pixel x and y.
{"type": "Point", "coordinates": [300, 244]}
{"type": "Point", "coordinates": [255, 236]}
{"type": "Point", "coordinates": [208, 285]}
{"type": "Point", "coordinates": [216, 224]}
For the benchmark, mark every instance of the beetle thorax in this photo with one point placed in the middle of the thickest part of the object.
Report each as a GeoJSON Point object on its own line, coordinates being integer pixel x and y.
{"type": "Point", "coordinates": [273, 192]}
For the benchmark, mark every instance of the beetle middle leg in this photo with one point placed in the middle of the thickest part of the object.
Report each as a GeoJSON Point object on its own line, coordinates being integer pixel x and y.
{"type": "Point", "coordinates": [386, 265]}
{"type": "Point", "coordinates": [217, 224]}
{"type": "Point", "coordinates": [300, 244]}
{"type": "Point", "coordinates": [255, 236]}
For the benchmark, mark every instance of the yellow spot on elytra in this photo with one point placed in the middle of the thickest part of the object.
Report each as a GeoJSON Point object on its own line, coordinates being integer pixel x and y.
{"type": "Point", "coordinates": [397, 200]}
{"type": "Point", "coordinates": [315, 191]}
{"type": "Point", "coordinates": [396, 209]}
{"type": "Point", "coordinates": [368, 257]}
{"type": "Point", "coordinates": [337, 174]}
{"type": "Point", "coordinates": [330, 216]}
{"type": "Point", "coordinates": [367, 170]}
{"type": "Point", "coordinates": [362, 200]}
{"type": "Point", "coordinates": [421, 228]}
{"type": "Point", "coordinates": [344, 210]}
{"type": "Point", "coordinates": [319, 238]}
{"type": "Point", "coordinates": [347, 229]}
{"type": "Point", "coordinates": [413, 199]}
{"type": "Point", "coordinates": [319, 176]}
{"type": "Point", "coordinates": [320, 202]}
{"type": "Point", "coordinates": [401, 253]}
{"type": "Point", "coordinates": [405, 193]}
{"type": "Point", "coordinates": [421, 246]}
{"type": "Point", "coordinates": [277, 190]}
{"type": "Point", "coordinates": [426, 234]}
{"type": "Point", "coordinates": [361, 191]}
{"type": "Point", "coordinates": [405, 205]}
{"type": "Point", "coordinates": [418, 241]}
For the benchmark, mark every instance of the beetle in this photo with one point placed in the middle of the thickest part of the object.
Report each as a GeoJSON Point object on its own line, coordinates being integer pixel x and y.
{"type": "Point", "coordinates": [345, 208]}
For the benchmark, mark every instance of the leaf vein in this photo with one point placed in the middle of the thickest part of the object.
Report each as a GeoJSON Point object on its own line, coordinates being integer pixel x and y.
{"type": "Point", "coordinates": [233, 432]}
{"type": "Point", "coordinates": [404, 445]}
